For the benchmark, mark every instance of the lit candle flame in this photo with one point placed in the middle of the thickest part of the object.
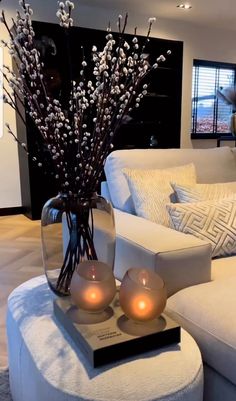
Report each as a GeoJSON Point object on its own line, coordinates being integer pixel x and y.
{"type": "Point", "coordinates": [141, 305]}
{"type": "Point", "coordinates": [93, 295]}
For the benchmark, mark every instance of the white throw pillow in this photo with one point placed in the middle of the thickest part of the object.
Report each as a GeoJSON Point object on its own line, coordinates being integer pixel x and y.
{"type": "Point", "coordinates": [200, 192]}
{"type": "Point", "coordinates": [212, 220]}
{"type": "Point", "coordinates": [206, 161]}
{"type": "Point", "coordinates": [151, 189]}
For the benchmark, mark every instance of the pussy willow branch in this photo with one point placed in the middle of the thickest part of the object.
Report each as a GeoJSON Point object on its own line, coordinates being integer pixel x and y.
{"type": "Point", "coordinates": [107, 88]}
{"type": "Point", "coordinates": [15, 93]}
{"type": "Point", "coordinates": [80, 138]}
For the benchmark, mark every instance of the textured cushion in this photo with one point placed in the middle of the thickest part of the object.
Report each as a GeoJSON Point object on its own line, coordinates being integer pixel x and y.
{"type": "Point", "coordinates": [200, 192]}
{"type": "Point", "coordinates": [206, 161]}
{"type": "Point", "coordinates": [151, 189]}
{"type": "Point", "coordinates": [207, 311]}
{"type": "Point", "coordinates": [214, 221]}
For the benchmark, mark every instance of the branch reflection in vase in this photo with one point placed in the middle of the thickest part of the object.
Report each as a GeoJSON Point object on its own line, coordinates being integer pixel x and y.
{"type": "Point", "coordinates": [75, 229]}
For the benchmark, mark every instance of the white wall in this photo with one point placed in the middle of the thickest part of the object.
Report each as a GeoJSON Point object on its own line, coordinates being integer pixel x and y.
{"type": "Point", "coordinates": [199, 42]}
{"type": "Point", "coordinates": [9, 166]}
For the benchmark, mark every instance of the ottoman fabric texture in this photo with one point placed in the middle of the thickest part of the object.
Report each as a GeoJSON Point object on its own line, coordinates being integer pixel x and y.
{"type": "Point", "coordinates": [45, 364]}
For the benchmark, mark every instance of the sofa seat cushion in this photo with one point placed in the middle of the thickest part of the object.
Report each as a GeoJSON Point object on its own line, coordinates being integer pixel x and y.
{"type": "Point", "coordinates": [223, 267]}
{"type": "Point", "coordinates": [207, 312]}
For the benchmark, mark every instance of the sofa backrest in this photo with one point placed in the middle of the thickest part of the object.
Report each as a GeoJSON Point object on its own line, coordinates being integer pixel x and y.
{"type": "Point", "coordinates": [212, 165]}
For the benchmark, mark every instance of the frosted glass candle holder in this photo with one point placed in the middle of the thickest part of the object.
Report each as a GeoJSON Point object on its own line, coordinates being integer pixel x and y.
{"type": "Point", "coordinates": [142, 294]}
{"type": "Point", "coordinates": [93, 286]}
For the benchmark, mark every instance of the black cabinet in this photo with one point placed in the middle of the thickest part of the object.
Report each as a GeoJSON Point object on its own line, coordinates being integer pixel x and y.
{"type": "Point", "coordinates": [156, 123]}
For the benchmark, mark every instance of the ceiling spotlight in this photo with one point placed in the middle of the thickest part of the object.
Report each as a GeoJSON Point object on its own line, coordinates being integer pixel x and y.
{"type": "Point", "coordinates": [185, 6]}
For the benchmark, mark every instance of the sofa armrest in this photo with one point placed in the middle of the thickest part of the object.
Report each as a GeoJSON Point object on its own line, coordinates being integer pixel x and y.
{"type": "Point", "coordinates": [105, 191]}
{"type": "Point", "coordinates": [181, 259]}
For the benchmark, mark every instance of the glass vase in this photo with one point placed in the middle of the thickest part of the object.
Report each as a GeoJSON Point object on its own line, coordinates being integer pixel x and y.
{"type": "Point", "coordinates": [73, 230]}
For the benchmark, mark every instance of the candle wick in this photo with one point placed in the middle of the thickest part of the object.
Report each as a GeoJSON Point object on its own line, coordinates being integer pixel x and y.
{"type": "Point", "coordinates": [143, 277]}
{"type": "Point", "coordinates": [93, 273]}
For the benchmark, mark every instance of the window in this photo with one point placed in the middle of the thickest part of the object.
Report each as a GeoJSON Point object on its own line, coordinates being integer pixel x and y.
{"type": "Point", "coordinates": [210, 115]}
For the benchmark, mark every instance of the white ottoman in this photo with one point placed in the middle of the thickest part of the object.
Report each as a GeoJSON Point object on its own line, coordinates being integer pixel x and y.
{"type": "Point", "coordinates": [45, 365]}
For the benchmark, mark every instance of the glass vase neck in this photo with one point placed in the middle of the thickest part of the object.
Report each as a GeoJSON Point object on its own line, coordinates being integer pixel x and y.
{"type": "Point", "coordinates": [87, 195]}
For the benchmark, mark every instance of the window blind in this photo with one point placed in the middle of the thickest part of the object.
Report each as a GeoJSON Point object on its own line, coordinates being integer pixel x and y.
{"type": "Point", "coordinates": [211, 115]}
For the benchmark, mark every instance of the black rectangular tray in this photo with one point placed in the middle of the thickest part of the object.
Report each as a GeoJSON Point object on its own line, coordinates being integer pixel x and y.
{"type": "Point", "coordinates": [109, 336]}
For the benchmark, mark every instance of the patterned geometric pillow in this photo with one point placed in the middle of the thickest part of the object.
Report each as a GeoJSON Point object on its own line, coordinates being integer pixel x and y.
{"type": "Point", "coordinates": [200, 192]}
{"type": "Point", "coordinates": [213, 221]}
{"type": "Point", "coordinates": [151, 189]}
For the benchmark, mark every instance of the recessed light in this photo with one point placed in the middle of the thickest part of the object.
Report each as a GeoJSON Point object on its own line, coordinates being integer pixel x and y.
{"type": "Point", "coordinates": [185, 6]}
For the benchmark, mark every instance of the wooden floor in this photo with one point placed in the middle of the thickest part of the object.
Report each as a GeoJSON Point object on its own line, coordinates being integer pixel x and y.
{"type": "Point", "coordinates": [20, 260]}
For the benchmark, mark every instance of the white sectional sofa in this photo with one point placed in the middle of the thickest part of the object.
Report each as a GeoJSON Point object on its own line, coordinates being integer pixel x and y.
{"type": "Point", "coordinates": [201, 290]}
